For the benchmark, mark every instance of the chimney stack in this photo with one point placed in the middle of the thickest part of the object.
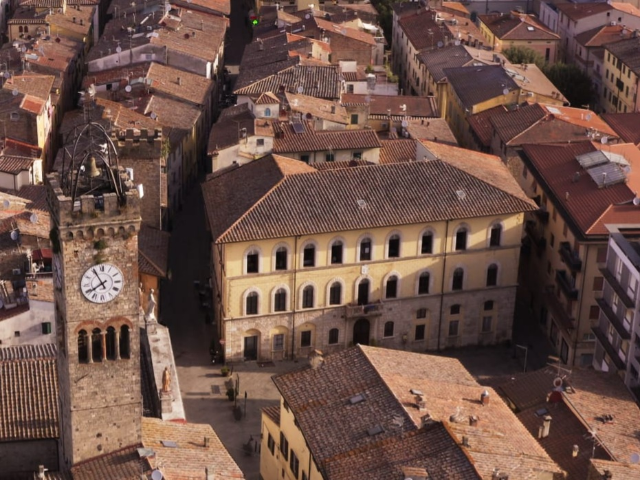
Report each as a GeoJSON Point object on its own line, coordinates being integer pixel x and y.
{"type": "Point", "coordinates": [484, 398]}
{"type": "Point", "coordinates": [473, 421]}
{"type": "Point", "coordinates": [543, 431]}
{"type": "Point", "coordinates": [316, 359]}
{"type": "Point", "coordinates": [179, 81]}
{"type": "Point", "coordinates": [576, 450]}
{"type": "Point", "coordinates": [206, 441]}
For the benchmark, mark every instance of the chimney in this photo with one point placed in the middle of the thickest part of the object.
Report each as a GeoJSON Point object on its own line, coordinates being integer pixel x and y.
{"type": "Point", "coordinates": [607, 475]}
{"type": "Point", "coordinates": [179, 81]}
{"type": "Point", "coordinates": [473, 421]}
{"type": "Point", "coordinates": [543, 431]}
{"type": "Point", "coordinates": [333, 109]}
{"type": "Point", "coordinates": [422, 405]}
{"type": "Point", "coordinates": [465, 441]}
{"type": "Point", "coordinates": [206, 441]}
{"type": "Point", "coordinates": [316, 359]}
{"type": "Point", "coordinates": [576, 450]}
{"type": "Point", "coordinates": [209, 473]}
{"type": "Point", "coordinates": [484, 398]}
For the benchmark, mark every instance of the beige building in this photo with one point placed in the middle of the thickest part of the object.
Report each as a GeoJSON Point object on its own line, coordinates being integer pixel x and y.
{"type": "Point", "coordinates": [418, 255]}
{"type": "Point", "coordinates": [388, 414]}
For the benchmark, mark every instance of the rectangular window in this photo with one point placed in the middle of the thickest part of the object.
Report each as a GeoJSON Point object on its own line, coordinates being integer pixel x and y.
{"type": "Point", "coordinates": [427, 243]}
{"type": "Point", "coordinates": [354, 119]}
{"type": "Point", "coordinates": [365, 250]}
{"type": "Point", "coordinates": [524, 172]}
{"type": "Point", "coordinates": [309, 256]}
{"type": "Point", "coordinates": [278, 342]}
{"type": "Point", "coordinates": [494, 239]}
{"type": "Point", "coordinates": [486, 323]}
{"type": "Point", "coordinates": [601, 256]}
{"type": "Point", "coordinates": [281, 259]}
{"type": "Point", "coordinates": [46, 328]}
{"type": "Point", "coordinates": [392, 288]}
{"type": "Point", "coordinates": [420, 330]}
{"type": "Point", "coordinates": [455, 310]}
{"type": "Point", "coordinates": [252, 263]}
{"type": "Point", "coordinates": [333, 336]}
{"type": "Point", "coordinates": [565, 229]}
{"type": "Point", "coordinates": [594, 312]}
{"type": "Point", "coordinates": [461, 239]}
{"type": "Point", "coordinates": [271, 444]}
{"type": "Point", "coordinates": [598, 284]}
{"type": "Point", "coordinates": [329, 157]}
{"type": "Point", "coordinates": [488, 305]}
{"type": "Point", "coordinates": [304, 158]}
{"type": "Point", "coordinates": [357, 155]}
{"type": "Point", "coordinates": [423, 284]}
{"type": "Point", "coordinates": [552, 240]}
{"type": "Point", "coordinates": [260, 142]}
{"type": "Point", "coordinates": [453, 328]}
{"type": "Point", "coordinates": [294, 464]}
{"type": "Point", "coordinates": [305, 338]}
{"type": "Point", "coordinates": [554, 215]}
{"type": "Point", "coordinates": [284, 446]}
{"type": "Point", "coordinates": [252, 304]}
{"type": "Point", "coordinates": [394, 247]}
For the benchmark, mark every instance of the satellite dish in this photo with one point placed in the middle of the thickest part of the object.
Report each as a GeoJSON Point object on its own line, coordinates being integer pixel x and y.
{"type": "Point", "coordinates": [127, 88]}
{"type": "Point", "coordinates": [505, 91]}
{"type": "Point", "coordinates": [635, 458]}
{"type": "Point", "coordinates": [300, 89]}
{"type": "Point", "coordinates": [156, 475]}
{"type": "Point", "coordinates": [118, 49]}
{"type": "Point", "coordinates": [6, 204]}
{"type": "Point", "coordinates": [636, 201]}
{"type": "Point", "coordinates": [307, 16]}
{"type": "Point", "coordinates": [440, 44]}
{"type": "Point", "coordinates": [405, 123]}
{"type": "Point", "coordinates": [15, 92]}
{"type": "Point", "coordinates": [153, 115]}
{"type": "Point", "coordinates": [6, 75]}
{"type": "Point", "coordinates": [588, 117]}
{"type": "Point", "coordinates": [23, 49]}
{"type": "Point", "coordinates": [33, 218]}
{"type": "Point", "coordinates": [15, 235]}
{"type": "Point", "coordinates": [604, 140]}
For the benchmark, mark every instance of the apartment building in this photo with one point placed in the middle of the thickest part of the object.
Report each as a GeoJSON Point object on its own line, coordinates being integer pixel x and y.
{"type": "Point", "coordinates": [621, 76]}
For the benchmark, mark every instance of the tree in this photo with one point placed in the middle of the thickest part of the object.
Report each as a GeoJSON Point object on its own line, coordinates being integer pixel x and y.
{"type": "Point", "coordinates": [520, 55]}
{"type": "Point", "coordinates": [572, 82]}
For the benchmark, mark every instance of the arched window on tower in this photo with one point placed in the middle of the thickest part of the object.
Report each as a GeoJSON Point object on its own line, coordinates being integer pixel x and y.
{"type": "Point", "coordinates": [125, 342]}
{"type": "Point", "coordinates": [112, 349]}
{"type": "Point", "coordinates": [96, 345]}
{"type": "Point", "coordinates": [83, 347]}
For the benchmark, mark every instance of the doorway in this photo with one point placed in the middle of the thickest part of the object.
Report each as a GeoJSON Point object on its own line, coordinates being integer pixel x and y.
{"type": "Point", "coordinates": [361, 332]}
{"type": "Point", "coordinates": [363, 292]}
{"type": "Point", "coordinates": [251, 348]}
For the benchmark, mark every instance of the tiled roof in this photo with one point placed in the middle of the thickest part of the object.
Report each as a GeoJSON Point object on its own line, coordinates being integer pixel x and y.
{"type": "Point", "coordinates": [263, 200]}
{"type": "Point", "coordinates": [448, 57]}
{"type": "Point", "coordinates": [38, 86]}
{"type": "Point", "coordinates": [226, 131]}
{"type": "Point", "coordinates": [173, 112]}
{"type": "Point", "coordinates": [399, 150]}
{"type": "Point", "coordinates": [317, 107]}
{"type": "Point", "coordinates": [475, 84]}
{"type": "Point", "coordinates": [347, 32]}
{"type": "Point", "coordinates": [433, 129]}
{"type": "Point", "coordinates": [596, 37]}
{"type": "Point", "coordinates": [190, 458]}
{"type": "Point", "coordinates": [321, 82]}
{"type": "Point", "coordinates": [578, 11]}
{"type": "Point", "coordinates": [481, 124]}
{"type": "Point", "coordinates": [273, 412]}
{"type": "Point", "coordinates": [336, 429]}
{"type": "Point", "coordinates": [312, 140]}
{"type": "Point", "coordinates": [123, 464]}
{"type": "Point", "coordinates": [625, 125]}
{"type": "Point", "coordinates": [153, 251]}
{"type": "Point", "coordinates": [180, 84]}
{"type": "Point", "coordinates": [415, 27]}
{"type": "Point", "coordinates": [508, 124]}
{"type": "Point", "coordinates": [618, 470]}
{"type": "Point", "coordinates": [554, 167]}
{"type": "Point", "coordinates": [628, 52]}
{"type": "Point", "coordinates": [53, 55]}
{"type": "Point", "coordinates": [28, 393]}
{"type": "Point", "coordinates": [517, 27]}
{"type": "Point", "coordinates": [220, 6]}
{"type": "Point", "coordinates": [15, 165]}
{"type": "Point", "coordinates": [382, 104]}
{"type": "Point", "coordinates": [267, 98]}
{"type": "Point", "coordinates": [36, 196]}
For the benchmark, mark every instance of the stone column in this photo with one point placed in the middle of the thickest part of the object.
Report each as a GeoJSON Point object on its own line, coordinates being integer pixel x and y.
{"type": "Point", "coordinates": [103, 343]}
{"type": "Point", "coordinates": [89, 339]}
{"type": "Point", "coordinates": [117, 343]}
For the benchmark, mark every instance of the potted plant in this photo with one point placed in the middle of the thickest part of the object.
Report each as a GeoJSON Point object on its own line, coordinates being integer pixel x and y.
{"type": "Point", "coordinates": [231, 394]}
{"type": "Point", "coordinates": [225, 371]}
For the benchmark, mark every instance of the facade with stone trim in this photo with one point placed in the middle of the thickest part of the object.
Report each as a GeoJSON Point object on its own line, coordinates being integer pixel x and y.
{"type": "Point", "coordinates": [423, 280]}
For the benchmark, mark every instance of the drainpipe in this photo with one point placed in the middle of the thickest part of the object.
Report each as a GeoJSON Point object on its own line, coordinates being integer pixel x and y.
{"type": "Point", "coordinates": [444, 271]}
{"type": "Point", "coordinates": [294, 297]}
{"type": "Point", "coordinates": [584, 276]}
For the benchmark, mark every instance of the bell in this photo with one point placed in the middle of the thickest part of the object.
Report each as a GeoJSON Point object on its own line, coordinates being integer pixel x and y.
{"type": "Point", "coordinates": [93, 169]}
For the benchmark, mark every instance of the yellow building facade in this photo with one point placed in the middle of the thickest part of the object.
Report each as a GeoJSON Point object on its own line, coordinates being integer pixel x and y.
{"type": "Point", "coordinates": [621, 77]}
{"type": "Point", "coordinates": [418, 286]}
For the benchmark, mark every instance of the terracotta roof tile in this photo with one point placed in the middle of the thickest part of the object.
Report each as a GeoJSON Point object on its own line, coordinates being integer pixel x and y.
{"type": "Point", "coordinates": [348, 32]}
{"type": "Point", "coordinates": [508, 124]}
{"type": "Point", "coordinates": [153, 248]}
{"type": "Point", "coordinates": [38, 86]}
{"type": "Point", "coordinates": [15, 165]}
{"type": "Point", "coordinates": [273, 412]}
{"type": "Point", "coordinates": [36, 196]}
{"type": "Point", "coordinates": [312, 140]}
{"type": "Point", "coordinates": [481, 124]}
{"type": "Point", "coordinates": [316, 81]}
{"type": "Point", "coordinates": [578, 11]}
{"type": "Point", "coordinates": [433, 129]}
{"type": "Point", "coordinates": [226, 132]}
{"type": "Point", "coordinates": [263, 200]}
{"type": "Point", "coordinates": [619, 470]}
{"type": "Point", "coordinates": [317, 107]}
{"type": "Point", "coordinates": [625, 125]}
{"type": "Point", "coordinates": [28, 393]}
{"type": "Point", "coordinates": [399, 150]}
{"type": "Point", "coordinates": [123, 464]}
{"type": "Point", "coordinates": [415, 28]}
{"type": "Point", "coordinates": [379, 105]}
{"type": "Point", "coordinates": [517, 27]}
{"type": "Point", "coordinates": [474, 85]}
{"type": "Point", "coordinates": [448, 57]}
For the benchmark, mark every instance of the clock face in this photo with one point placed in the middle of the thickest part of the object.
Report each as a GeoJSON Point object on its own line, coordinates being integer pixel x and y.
{"type": "Point", "coordinates": [57, 271]}
{"type": "Point", "coordinates": [102, 283]}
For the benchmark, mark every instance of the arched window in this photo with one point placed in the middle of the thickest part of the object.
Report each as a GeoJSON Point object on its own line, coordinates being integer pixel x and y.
{"type": "Point", "coordinates": [495, 237]}
{"type": "Point", "coordinates": [253, 261]}
{"type": "Point", "coordinates": [267, 112]}
{"type": "Point", "coordinates": [280, 300]}
{"type": "Point", "coordinates": [426, 245]}
{"type": "Point", "coordinates": [281, 258]}
{"type": "Point", "coordinates": [26, 29]}
{"type": "Point", "coordinates": [423, 283]}
{"type": "Point", "coordinates": [307, 296]}
{"type": "Point", "coordinates": [334, 333]}
{"type": "Point", "coordinates": [335, 293]}
{"type": "Point", "coordinates": [336, 252]}
{"type": "Point", "coordinates": [391, 290]}
{"type": "Point", "coordinates": [252, 303]}
{"type": "Point", "coordinates": [96, 345]}
{"type": "Point", "coordinates": [125, 342]}
{"type": "Point", "coordinates": [388, 329]}
{"type": "Point", "coordinates": [461, 238]}
{"type": "Point", "coordinates": [83, 347]}
{"type": "Point", "coordinates": [363, 292]}
{"type": "Point", "coordinates": [393, 246]}
{"type": "Point", "coordinates": [458, 279]}
{"type": "Point", "coordinates": [20, 30]}
{"type": "Point", "coordinates": [112, 351]}
{"type": "Point", "coordinates": [492, 275]}
{"type": "Point", "coordinates": [309, 255]}
{"type": "Point", "coordinates": [365, 250]}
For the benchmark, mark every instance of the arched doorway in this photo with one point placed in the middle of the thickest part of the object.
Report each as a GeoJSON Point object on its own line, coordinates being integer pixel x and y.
{"type": "Point", "coordinates": [361, 332]}
{"type": "Point", "coordinates": [251, 340]}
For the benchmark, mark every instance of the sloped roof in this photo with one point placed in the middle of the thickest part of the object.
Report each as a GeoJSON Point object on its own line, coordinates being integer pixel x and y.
{"type": "Point", "coordinates": [476, 84]}
{"type": "Point", "coordinates": [416, 26]}
{"type": "Point", "coordinates": [625, 125]}
{"type": "Point", "coordinates": [153, 251]}
{"type": "Point", "coordinates": [123, 464]}
{"type": "Point", "coordinates": [275, 197]}
{"type": "Point", "coordinates": [508, 124]}
{"type": "Point", "coordinates": [448, 57]}
{"type": "Point", "coordinates": [311, 140]}
{"type": "Point", "coordinates": [481, 124]}
{"type": "Point", "coordinates": [517, 27]}
{"type": "Point", "coordinates": [628, 52]}
{"type": "Point", "coordinates": [28, 393]}
{"type": "Point", "coordinates": [330, 110]}
{"type": "Point", "coordinates": [578, 11]}
{"type": "Point", "coordinates": [405, 105]}
{"type": "Point", "coordinates": [316, 81]}
{"type": "Point", "coordinates": [398, 150]}
{"type": "Point", "coordinates": [226, 131]}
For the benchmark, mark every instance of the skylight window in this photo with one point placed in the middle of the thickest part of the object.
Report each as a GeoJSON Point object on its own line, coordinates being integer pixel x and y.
{"type": "Point", "coordinates": [357, 399]}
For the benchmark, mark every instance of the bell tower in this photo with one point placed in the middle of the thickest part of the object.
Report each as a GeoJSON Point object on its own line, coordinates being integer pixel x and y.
{"type": "Point", "coordinates": [95, 220]}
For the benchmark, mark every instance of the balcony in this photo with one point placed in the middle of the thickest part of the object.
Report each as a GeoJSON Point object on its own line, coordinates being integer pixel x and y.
{"type": "Point", "coordinates": [536, 236]}
{"type": "Point", "coordinates": [558, 311]}
{"type": "Point", "coordinates": [566, 285]}
{"type": "Point", "coordinates": [364, 311]}
{"type": "Point", "coordinates": [570, 257]}
{"type": "Point", "coordinates": [615, 285]}
{"type": "Point", "coordinates": [613, 319]}
{"type": "Point", "coordinates": [608, 348]}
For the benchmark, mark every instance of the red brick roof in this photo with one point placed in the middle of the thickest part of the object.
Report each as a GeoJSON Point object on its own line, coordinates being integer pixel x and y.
{"type": "Point", "coordinates": [625, 125]}
{"type": "Point", "coordinates": [276, 197]}
{"type": "Point", "coordinates": [578, 11]}
{"type": "Point", "coordinates": [398, 150]}
{"type": "Point", "coordinates": [153, 251]}
{"type": "Point", "coordinates": [416, 26]}
{"type": "Point", "coordinates": [15, 165]}
{"type": "Point", "coordinates": [555, 166]}
{"type": "Point", "coordinates": [28, 393]}
{"type": "Point", "coordinates": [403, 105]}
{"type": "Point", "coordinates": [481, 124]}
{"type": "Point", "coordinates": [123, 464]}
{"type": "Point", "coordinates": [517, 27]}
{"type": "Point", "coordinates": [312, 140]}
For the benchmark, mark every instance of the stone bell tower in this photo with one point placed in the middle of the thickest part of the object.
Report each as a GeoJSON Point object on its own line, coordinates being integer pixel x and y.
{"type": "Point", "coordinates": [95, 220]}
